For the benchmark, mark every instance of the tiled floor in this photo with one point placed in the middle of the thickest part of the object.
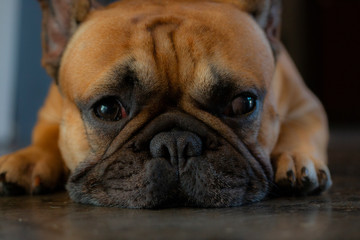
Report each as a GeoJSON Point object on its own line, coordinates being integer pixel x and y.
{"type": "Point", "coordinates": [334, 215]}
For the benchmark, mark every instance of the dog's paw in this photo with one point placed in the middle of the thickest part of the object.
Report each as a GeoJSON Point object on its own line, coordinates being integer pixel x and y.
{"type": "Point", "coordinates": [31, 170]}
{"type": "Point", "coordinates": [300, 174]}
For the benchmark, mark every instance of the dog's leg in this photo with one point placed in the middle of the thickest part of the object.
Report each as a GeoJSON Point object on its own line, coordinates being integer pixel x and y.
{"type": "Point", "coordinates": [39, 167]}
{"type": "Point", "coordinates": [299, 157]}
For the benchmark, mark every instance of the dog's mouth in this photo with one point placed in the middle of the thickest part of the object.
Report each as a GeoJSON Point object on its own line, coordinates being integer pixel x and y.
{"type": "Point", "coordinates": [179, 165]}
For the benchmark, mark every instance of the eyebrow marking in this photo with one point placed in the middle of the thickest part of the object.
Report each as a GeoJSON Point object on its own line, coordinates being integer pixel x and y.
{"type": "Point", "coordinates": [124, 73]}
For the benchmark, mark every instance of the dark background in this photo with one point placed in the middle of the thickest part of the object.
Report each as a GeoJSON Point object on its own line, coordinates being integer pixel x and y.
{"type": "Point", "coordinates": [322, 36]}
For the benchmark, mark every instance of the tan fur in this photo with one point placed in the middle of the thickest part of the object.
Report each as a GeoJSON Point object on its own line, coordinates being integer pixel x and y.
{"type": "Point", "coordinates": [293, 128]}
{"type": "Point", "coordinates": [41, 162]}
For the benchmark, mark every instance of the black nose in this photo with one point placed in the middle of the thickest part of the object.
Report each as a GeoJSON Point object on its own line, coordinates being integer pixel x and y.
{"type": "Point", "coordinates": [176, 146]}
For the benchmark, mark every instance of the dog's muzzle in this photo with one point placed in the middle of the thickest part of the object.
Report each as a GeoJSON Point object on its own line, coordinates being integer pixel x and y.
{"type": "Point", "coordinates": [175, 160]}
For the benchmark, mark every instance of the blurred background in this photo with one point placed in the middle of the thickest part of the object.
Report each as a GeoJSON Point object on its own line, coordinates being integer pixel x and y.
{"type": "Point", "coordinates": [322, 36]}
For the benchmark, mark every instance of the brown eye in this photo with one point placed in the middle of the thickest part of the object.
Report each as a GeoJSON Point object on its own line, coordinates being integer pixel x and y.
{"type": "Point", "coordinates": [109, 109]}
{"type": "Point", "coordinates": [241, 105]}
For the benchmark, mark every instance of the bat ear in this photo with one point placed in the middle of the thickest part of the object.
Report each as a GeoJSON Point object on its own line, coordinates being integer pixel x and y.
{"type": "Point", "coordinates": [60, 19]}
{"type": "Point", "coordinates": [268, 15]}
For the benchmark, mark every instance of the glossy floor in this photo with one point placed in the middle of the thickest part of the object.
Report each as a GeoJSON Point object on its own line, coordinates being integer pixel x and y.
{"type": "Point", "coordinates": [334, 215]}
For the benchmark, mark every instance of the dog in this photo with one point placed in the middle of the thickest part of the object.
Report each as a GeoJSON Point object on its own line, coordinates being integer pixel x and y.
{"type": "Point", "coordinates": [170, 103]}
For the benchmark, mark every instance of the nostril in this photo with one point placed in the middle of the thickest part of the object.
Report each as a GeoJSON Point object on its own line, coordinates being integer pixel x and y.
{"type": "Point", "coordinates": [163, 145]}
{"type": "Point", "coordinates": [189, 145]}
{"type": "Point", "coordinates": [193, 151]}
{"type": "Point", "coordinates": [160, 147]}
{"type": "Point", "coordinates": [165, 152]}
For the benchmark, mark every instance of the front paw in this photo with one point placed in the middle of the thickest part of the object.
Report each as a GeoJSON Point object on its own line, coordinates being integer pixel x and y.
{"type": "Point", "coordinates": [31, 170]}
{"type": "Point", "coordinates": [299, 174]}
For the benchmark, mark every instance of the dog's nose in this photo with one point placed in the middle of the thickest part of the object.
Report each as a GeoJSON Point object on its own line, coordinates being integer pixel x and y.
{"type": "Point", "coordinates": [176, 146]}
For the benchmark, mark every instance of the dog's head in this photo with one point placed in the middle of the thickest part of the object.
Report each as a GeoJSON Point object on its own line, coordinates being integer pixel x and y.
{"type": "Point", "coordinates": [164, 102]}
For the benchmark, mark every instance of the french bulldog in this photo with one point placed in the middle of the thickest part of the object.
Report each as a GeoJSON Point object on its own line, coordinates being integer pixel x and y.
{"type": "Point", "coordinates": [160, 103]}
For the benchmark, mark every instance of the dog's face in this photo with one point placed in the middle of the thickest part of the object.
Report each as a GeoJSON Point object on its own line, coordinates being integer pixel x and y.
{"type": "Point", "coordinates": [167, 104]}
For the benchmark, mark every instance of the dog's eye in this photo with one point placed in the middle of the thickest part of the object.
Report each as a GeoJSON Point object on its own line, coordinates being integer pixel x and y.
{"type": "Point", "coordinates": [109, 109]}
{"type": "Point", "coordinates": [241, 105]}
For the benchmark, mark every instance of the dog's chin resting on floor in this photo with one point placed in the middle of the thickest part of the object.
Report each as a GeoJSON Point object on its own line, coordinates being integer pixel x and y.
{"type": "Point", "coordinates": [170, 103]}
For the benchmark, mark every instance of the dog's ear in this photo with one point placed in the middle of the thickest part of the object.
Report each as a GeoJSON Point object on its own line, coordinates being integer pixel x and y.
{"type": "Point", "coordinates": [268, 15]}
{"type": "Point", "coordinates": [60, 20]}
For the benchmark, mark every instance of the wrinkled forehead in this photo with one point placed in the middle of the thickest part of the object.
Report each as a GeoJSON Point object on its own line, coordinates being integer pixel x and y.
{"type": "Point", "coordinates": [194, 44]}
